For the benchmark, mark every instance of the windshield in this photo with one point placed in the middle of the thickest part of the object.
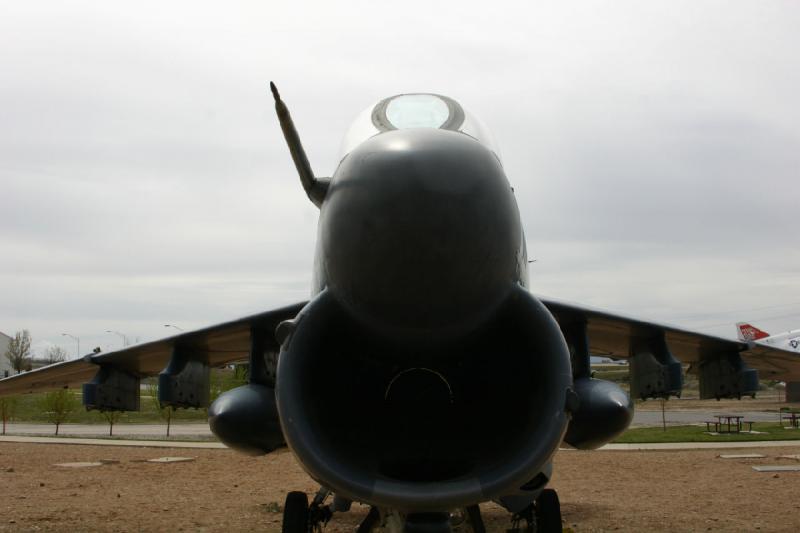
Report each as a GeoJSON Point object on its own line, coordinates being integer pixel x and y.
{"type": "Point", "coordinates": [415, 111]}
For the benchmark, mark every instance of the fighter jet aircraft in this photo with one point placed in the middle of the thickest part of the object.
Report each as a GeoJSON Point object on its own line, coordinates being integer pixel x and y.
{"type": "Point", "coordinates": [422, 378]}
{"type": "Point", "coordinates": [788, 341]}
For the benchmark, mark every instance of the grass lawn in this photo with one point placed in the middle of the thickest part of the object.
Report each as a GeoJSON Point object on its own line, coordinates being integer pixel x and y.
{"type": "Point", "coordinates": [771, 431]}
{"type": "Point", "coordinates": [29, 409]}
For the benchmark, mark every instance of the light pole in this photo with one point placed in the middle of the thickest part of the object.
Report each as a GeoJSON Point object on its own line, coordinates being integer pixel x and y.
{"type": "Point", "coordinates": [173, 326]}
{"type": "Point", "coordinates": [78, 340]}
{"type": "Point", "coordinates": [124, 338]}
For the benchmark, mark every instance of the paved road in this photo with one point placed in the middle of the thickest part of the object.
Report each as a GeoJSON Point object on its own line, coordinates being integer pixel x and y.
{"type": "Point", "coordinates": [120, 430]}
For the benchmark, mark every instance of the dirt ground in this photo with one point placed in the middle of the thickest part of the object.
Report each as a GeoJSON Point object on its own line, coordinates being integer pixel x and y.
{"type": "Point", "coordinates": [225, 491]}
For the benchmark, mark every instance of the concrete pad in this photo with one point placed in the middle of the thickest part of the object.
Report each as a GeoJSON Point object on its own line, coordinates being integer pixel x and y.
{"type": "Point", "coordinates": [795, 457]}
{"type": "Point", "coordinates": [79, 464]}
{"type": "Point", "coordinates": [742, 456]}
{"type": "Point", "coordinates": [777, 468]}
{"type": "Point", "coordinates": [702, 445]}
{"type": "Point", "coordinates": [170, 459]}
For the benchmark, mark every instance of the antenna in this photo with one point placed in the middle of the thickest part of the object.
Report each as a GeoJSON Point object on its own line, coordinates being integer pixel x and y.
{"type": "Point", "coordinates": [316, 188]}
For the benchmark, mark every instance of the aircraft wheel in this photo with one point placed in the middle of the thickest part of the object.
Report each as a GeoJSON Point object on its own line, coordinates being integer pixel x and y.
{"type": "Point", "coordinates": [295, 513]}
{"type": "Point", "coordinates": [548, 512]}
{"type": "Point", "coordinates": [475, 520]}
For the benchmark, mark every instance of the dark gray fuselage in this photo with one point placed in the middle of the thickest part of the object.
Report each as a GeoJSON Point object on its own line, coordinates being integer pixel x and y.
{"type": "Point", "coordinates": [422, 327]}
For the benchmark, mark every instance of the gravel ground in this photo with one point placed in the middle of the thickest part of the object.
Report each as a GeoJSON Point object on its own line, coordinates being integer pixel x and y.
{"type": "Point", "coordinates": [224, 491]}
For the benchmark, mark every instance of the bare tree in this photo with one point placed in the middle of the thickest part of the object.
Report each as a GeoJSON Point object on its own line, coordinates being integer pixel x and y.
{"type": "Point", "coordinates": [165, 411]}
{"type": "Point", "coordinates": [19, 351]}
{"type": "Point", "coordinates": [55, 354]}
{"type": "Point", "coordinates": [7, 407]}
{"type": "Point", "coordinates": [57, 405]}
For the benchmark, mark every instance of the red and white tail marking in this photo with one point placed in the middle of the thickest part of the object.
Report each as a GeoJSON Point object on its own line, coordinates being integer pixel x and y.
{"type": "Point", "coordinates": [750, 333]}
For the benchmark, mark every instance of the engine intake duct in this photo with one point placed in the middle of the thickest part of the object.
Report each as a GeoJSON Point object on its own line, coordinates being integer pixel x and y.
{"type": "Point", "coordinates": [426, 431]}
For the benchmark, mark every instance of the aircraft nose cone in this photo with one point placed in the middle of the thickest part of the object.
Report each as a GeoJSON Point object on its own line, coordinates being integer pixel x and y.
{"type": "Point", "coordinates": [420, 231]}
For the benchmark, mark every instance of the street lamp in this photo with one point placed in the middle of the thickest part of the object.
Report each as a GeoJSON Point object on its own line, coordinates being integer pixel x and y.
{"type": "Point", "coordinates": [124, 338]}
{"type": "Point", "coordinates": [78, 340]}
{"type": "Point", "coordinates": [173, 326]}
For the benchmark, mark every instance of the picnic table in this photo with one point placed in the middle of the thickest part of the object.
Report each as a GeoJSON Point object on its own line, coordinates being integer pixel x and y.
{"type": "Point", "coordinates": [792, 416]}
{"type": "Point", "coordinates": [734, 423]}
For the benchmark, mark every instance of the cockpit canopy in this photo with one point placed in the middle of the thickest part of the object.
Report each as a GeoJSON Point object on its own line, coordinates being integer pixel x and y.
{"type": "Point", "coordinates": [418, 110]}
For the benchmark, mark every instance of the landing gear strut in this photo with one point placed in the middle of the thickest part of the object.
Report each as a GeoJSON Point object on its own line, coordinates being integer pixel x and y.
{"type": "Point", "coordinates": [542, 516]}
{"type": "Point", "coordinates": [371, 521]}
{"type": "Point", "coordinates": [423, 522]}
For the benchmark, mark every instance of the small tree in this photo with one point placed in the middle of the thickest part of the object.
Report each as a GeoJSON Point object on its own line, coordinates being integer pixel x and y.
{"type": "Point", "coordinates": [111, 417]}
{"type": "Point", "coordinates": [57, 405]}
{"type": "Point", "coordinates": [7, 407]}
{"type": "Point", "coordinates": [225, 379]}
{"type": "Point", "coordinates": [164, 411]}
{"type": "Point", "coordinates": [55, 354]}
{"type": "Point", "coordinates": [19, 351]}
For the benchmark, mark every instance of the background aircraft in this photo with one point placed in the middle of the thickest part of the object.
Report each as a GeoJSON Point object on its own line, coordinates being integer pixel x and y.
{"type": "Point", "coordinates": [789, 340]}
{"type": "Point", "coordinates": [422, 377]}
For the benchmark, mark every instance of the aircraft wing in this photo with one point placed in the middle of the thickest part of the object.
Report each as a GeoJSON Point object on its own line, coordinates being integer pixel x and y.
{"type": "Point", "coordinates": [216, 345]}
{"type": "Point", "coordinates": [612, 335]}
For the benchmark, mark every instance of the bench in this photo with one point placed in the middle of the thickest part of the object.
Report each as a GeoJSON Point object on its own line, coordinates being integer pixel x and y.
{"type": "Point", "coordinates": [716, 425]}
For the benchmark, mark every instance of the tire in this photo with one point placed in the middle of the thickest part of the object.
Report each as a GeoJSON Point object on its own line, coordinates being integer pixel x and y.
{"type": "Point", "coordinates": [548, 512]}
{"type": "Point", "coordinates": [475, 520]}
{"type": "Point", "coordinates": [295, 513]}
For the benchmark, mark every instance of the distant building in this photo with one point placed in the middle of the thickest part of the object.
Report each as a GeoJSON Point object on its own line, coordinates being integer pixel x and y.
{"type": "Point", "coordinates": [5, 364]}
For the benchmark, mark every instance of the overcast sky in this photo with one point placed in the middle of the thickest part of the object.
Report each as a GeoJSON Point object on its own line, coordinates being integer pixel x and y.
{"type": "Point", "coordinates": [654, 148]}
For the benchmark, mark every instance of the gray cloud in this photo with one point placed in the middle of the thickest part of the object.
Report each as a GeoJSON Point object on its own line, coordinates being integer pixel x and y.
{"type": "Point", "coordinates": [653, 148]}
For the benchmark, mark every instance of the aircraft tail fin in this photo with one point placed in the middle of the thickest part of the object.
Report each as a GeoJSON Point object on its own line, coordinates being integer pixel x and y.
{"type": "Point", "coordinates": [747, 332]}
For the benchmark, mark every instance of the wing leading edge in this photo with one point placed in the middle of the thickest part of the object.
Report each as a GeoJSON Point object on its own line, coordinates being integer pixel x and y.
{"type": "Point", "coordinates": [617, 336]}
{"type": "Point", "coordinates": [213, 346]}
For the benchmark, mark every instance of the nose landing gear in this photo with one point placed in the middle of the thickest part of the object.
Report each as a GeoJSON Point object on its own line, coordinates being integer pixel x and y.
{"type": "Point", "coordinates": [541, 516]}
{"type": "Point", "coordinates": [300, 517]}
